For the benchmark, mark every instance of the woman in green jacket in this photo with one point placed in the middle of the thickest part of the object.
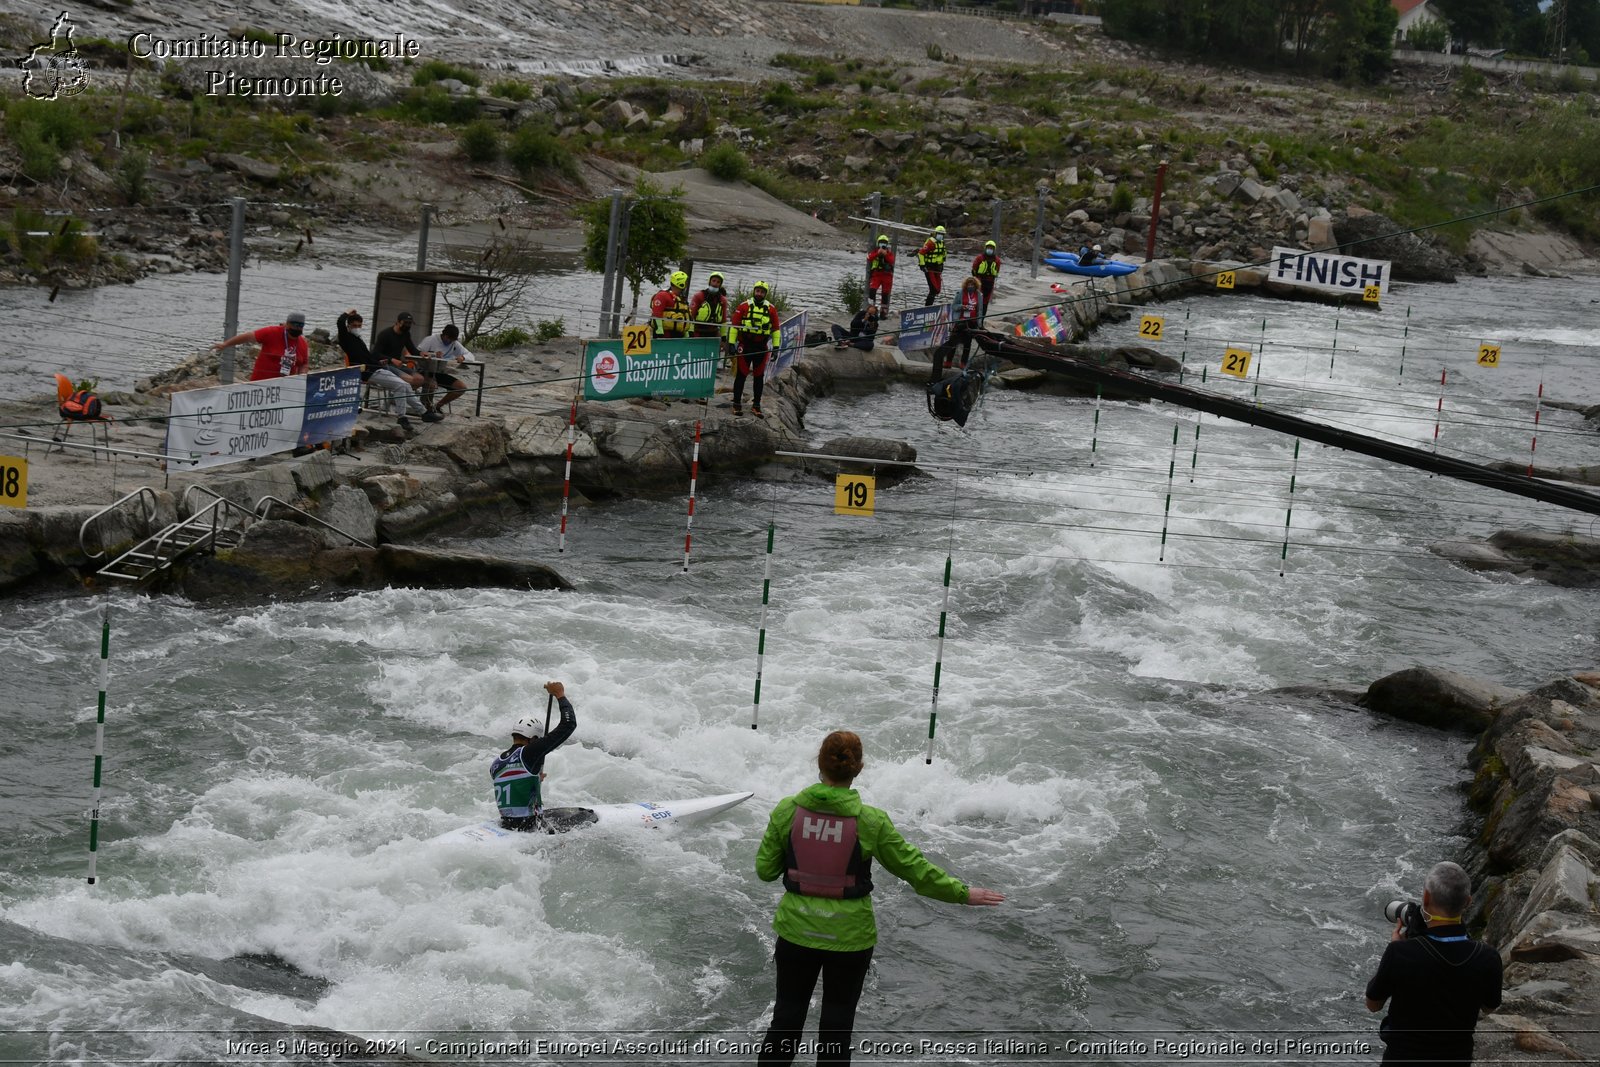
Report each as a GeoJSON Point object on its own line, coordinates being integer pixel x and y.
{"type": "Point", "coordinates": [822, 842]}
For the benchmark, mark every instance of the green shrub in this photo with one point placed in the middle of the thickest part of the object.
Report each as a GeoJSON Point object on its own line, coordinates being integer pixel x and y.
{"type": "Point", "coordinates": [724, 160]}
{"type": "Point", "coordinates": [132, 175]}
{"type": "Point", "coordinates": [1121, 198]}
{"type": "Point", "coordinates": [935, 53]}
{"type": "Point", "coordinates": [43, 241]}
{"type": "Point", "coordinates": [510, 90]}
{"type": "Point", "coordinates": [507, 338]}
{"type": "Point", "coordinates": [535, 148]}
{"type": "Point", "coordinates": [781, 95]}
{"type": "Point", "coordinates": [433, 104]}
{"type": "Point", "coordinates": [438, 70]}
{"type": "Point", "coordinates": [550, 329]}
{"type": "Point", "coordinates": [480, 142]}
{"type": "Point", "coordinates": [852, 291]}
{"type": "Point", "coordinates": [824, 76]}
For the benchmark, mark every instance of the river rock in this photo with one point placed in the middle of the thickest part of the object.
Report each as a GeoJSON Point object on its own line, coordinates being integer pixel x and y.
{"type": "Point", "coordinates": [1436, 697]}
{"type": "Point", "coordinates": [1569, 560]}
{"type": "Point", "coordinates": [1374, 236]}
{"type": "Point", "coordinates": [248, 166]}
{"type": "Point", "coordinates": [868, 449]}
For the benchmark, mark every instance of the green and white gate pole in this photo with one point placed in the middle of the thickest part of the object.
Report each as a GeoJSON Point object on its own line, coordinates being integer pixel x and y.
{"type": "Point", "coordinates": [99, 738]}
{"type": "Point", "coordinates": [938, 661]}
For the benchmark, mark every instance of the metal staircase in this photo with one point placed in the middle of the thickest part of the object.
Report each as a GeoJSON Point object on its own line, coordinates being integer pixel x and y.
{"type": "Point", "coordinates": [221, 522]}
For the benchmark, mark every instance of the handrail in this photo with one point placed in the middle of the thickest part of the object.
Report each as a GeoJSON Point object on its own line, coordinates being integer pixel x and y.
{"type": "Point", "coordinates": [84, 529]}
{"type": "Point", "coordinates": [264, 507]}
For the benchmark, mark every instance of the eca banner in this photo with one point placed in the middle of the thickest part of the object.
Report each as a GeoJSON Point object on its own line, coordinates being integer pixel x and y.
{"type": "Point", "coordinates": [792, 338]}
{"type": "Point", "coordinates": [1328, 272]}
{"type": "Point", "coordinates": [229, 423]}
{"type": "Point", "coordinates": [924, 327]}
{"type": "Point", "coordinates": [675, 366]}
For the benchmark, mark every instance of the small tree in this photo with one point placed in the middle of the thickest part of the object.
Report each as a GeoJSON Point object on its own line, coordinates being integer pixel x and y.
{"type": "Point", "coordinates": [489, 307]}
{"type": "Point", "coordinates": [658, 233]}
{"type": "Point", "coordinates": [1429, 35]}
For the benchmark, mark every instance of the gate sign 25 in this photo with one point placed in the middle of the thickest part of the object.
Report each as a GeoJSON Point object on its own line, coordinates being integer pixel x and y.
{"type": "Point", "coordinates": [853, 494]}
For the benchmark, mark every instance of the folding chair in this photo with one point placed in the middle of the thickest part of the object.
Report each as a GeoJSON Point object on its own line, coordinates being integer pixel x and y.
{"type": "Point", "coordinates": [65, 390]}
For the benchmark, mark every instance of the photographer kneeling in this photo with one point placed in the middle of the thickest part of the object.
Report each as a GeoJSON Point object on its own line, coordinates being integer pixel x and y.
{"type": "Point", "coordinates": [1435, 977]}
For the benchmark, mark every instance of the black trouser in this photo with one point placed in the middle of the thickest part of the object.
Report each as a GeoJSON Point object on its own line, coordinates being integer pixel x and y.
{"type": "Point", "coordinates": [750, 363]}
{"type": "Point", "coordinates": [843, 974]}
{"type": "Point", "coordinates": [960, 334]}
{"type": "Point", "coordinates": [843, 336]}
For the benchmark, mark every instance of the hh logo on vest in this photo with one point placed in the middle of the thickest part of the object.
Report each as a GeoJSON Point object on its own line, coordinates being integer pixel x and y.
{"type": "Point", "coordinates": [824, 857]}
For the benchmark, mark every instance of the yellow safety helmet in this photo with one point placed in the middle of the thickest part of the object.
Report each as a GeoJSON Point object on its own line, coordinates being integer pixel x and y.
{"type": "Point", "coordinates": [939, 230]}
{"type": "Point", "coordinates": [883, 238]}
{"type": "Point", "coordinates": [762, 286]}
{"type": "Point", "coordinates": [715, 275]}
{"type": "Point", "coordinates": [988, 245]}
{"type": "Point", "coordinates": [678, 279]}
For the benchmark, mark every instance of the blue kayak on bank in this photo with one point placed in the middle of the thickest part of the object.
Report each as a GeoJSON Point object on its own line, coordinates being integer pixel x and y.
{"type": "Point", "coordinates": [1067, 263]}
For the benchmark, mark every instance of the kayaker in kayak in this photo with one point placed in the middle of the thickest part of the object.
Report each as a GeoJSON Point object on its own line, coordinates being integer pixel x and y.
{"type": "Point", "coordinates": [1087, 256]}
{"type": "Point", "coordinates": [518, 770]}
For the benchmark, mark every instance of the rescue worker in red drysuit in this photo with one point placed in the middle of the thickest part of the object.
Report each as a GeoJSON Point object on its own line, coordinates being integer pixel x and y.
{"type": "Point", "coordinates": [822, 842]}
{"type": "Point", "coordinates": [930, 258]}
{"type": "Point", "coordinates": [669, 315]}
{"type": "Point", "coordinates": [754, 334]}
{"type": "Point", "coordinates": [986, 268]}
{"type": "Point", "coordinates": [880, 273]}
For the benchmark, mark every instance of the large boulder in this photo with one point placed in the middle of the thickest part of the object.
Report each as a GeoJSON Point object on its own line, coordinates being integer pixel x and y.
{"type": "Point", "coordinates": [1415, 259]}
{"type": "Point", "coordinates": [1436, 697]}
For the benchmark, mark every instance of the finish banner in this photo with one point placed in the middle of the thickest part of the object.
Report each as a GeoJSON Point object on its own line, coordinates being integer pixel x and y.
{"type": "Point", "coordinates": [1328, 272]}
{"type": "Point", "coordinates": [230, 423]}
{"type": "Point", "coordinates": [674, 367]}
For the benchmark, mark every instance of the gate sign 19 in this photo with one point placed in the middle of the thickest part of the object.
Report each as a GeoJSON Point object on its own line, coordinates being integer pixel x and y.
{"type": "Point", "coordinates": [853, 494]}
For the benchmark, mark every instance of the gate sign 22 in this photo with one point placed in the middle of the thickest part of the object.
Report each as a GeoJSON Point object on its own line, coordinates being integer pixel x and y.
{"type": "Point", "coordinates": [853, 494]}
{"type": "Point", "coordinates": [1150, 327]}
{"type": "Point", "coordinates": [636, 340]}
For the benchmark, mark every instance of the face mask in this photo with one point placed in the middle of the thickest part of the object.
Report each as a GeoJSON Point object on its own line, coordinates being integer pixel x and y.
{"type": "Point", "coordinates": [294, 331]}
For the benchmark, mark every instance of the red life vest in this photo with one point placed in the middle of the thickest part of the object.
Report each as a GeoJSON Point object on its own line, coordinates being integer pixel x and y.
{"type": "Point", "coordinates": [824, 857]}
{"type": "Point", "coordinates": [81, 405]}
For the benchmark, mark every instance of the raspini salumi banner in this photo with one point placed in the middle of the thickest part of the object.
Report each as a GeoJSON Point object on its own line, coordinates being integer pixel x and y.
{"type": "Point", "coordinates": [674, 366]}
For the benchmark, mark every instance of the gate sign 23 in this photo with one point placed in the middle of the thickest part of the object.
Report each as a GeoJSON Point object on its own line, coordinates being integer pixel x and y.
{"type": "Point", "coordinates": [853, 494]}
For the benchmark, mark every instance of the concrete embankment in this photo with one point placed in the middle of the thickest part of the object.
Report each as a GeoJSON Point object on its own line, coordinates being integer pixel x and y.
{"type": "Point", "coordinates": [392, 487]}
{"type": "Point", "coordinates": [1535, 849]}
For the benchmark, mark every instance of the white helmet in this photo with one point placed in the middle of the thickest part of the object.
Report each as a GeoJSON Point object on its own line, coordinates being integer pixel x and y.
{"type": "Point", "coordinates": [528, 727]}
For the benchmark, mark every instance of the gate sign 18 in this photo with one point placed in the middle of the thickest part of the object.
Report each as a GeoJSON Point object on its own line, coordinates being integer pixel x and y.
{"type": "Point", "coordinates": [854, 494]}
{"type": "Point", "coordinates": [13, 481]}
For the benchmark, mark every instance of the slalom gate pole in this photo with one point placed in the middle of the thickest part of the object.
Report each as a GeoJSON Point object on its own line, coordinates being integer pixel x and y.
{"type": "Point", "coordinates": [1294, 471]}
{"type": "Point", "coordinates": [761, 641]}
{"type": "Point", "coordinates": [694, 474]}
{"type": "Point", "coordinates": [1439, 412]}
{"type": "Point", "coordinates": [1538, 405]}
{"type": "Point", "coordinates": [1094, 434]}
{"type": "Point", "coordinates": [1334, 354]}
{"type": "Point", "coordinates": [566, 481]}
{"type": "Point", "coordinates": [1261, 357]}
{"type": "Point", "coordinates": [944, 615]}
{"type": "Point", "coordinates": [1194, 457]}
{"type": "Point", "coordinates": [1404, 337]}
{"type": "Point", "coordinates": [1166, 509]}
{"type": "Point", "coordinates": [1183, 356]}
{"type": "Point", "coordinates": [99, 738]}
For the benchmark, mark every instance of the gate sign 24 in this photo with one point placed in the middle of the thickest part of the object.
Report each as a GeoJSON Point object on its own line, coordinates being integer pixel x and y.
{"type": "Point", "coordinates": [853, 494]}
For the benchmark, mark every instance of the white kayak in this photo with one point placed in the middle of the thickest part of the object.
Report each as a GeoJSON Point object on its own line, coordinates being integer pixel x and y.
{"type": "Point", "coordinates": [645, 814]}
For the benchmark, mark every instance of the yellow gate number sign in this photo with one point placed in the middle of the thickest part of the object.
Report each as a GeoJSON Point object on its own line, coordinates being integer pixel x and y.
{"type": "Point", "coordinates": [13, 481]}
{"type": "Point", "coordinates": [853, 494]}
{"type": "Point", "coordinates": [636, 340]}
{"type": "Point", "coordinates": [1488, 355]}
{"type": "Point", "coordinates": [1225, 280]}
{"type": "Point", "coordinates": [1372, 294]}
{"type": "Point", "coordinates": [1150, 327]}
{"type": "Point", "coordinates": [1236, 361]}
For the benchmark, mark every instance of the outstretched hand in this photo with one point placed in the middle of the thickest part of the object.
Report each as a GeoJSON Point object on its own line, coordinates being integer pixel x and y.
{"type": "Point", "coordinates": [984, 897]}
{"type": "Point", "coordinates": [555, 689]}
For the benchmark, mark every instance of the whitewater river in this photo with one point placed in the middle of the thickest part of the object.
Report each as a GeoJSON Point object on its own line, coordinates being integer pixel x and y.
{"type": "Point", "coordinates": [1188, 853]}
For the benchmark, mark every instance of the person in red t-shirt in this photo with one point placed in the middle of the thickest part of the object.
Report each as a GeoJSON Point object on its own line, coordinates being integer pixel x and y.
{"type": "Point", "coordinates": [283, 350]}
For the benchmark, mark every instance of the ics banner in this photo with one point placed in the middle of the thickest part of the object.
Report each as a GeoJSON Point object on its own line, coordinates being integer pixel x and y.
{"type": "Point", "coordinates": [674, 366]}
{"type": "Point", "coordinates": [792, 342]}
{"type": "Point", "coordinates": [229, 423]}
{"type": "Point", "coordinates": [1328, 272]}
{"type": "Point", "coordinates": [925, 327]}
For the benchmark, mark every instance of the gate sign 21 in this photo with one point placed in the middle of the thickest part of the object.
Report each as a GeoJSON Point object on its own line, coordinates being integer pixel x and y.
{"type": "Point", "coordinates": [853, 494]}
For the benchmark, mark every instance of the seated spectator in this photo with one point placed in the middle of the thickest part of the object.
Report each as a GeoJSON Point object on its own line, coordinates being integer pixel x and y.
{"type": "Point", "coordinates": [399, 397]}
{"type": "Point", "coordinates": [444, 345]}
{"type": "Point", "coordinates": [862, 333]}
{"type": "Point", "coordinates": [391, 346]}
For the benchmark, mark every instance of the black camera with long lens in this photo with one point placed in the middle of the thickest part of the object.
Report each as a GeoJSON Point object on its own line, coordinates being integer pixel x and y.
{"type": "Point", "coordinates": [1409, 914]}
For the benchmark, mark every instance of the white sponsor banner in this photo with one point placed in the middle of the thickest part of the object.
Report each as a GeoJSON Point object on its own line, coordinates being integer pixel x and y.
{"type": "Point", "coordinates": [229, 423]}
{"type": "Point", "coordinates": [1328, 272]}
